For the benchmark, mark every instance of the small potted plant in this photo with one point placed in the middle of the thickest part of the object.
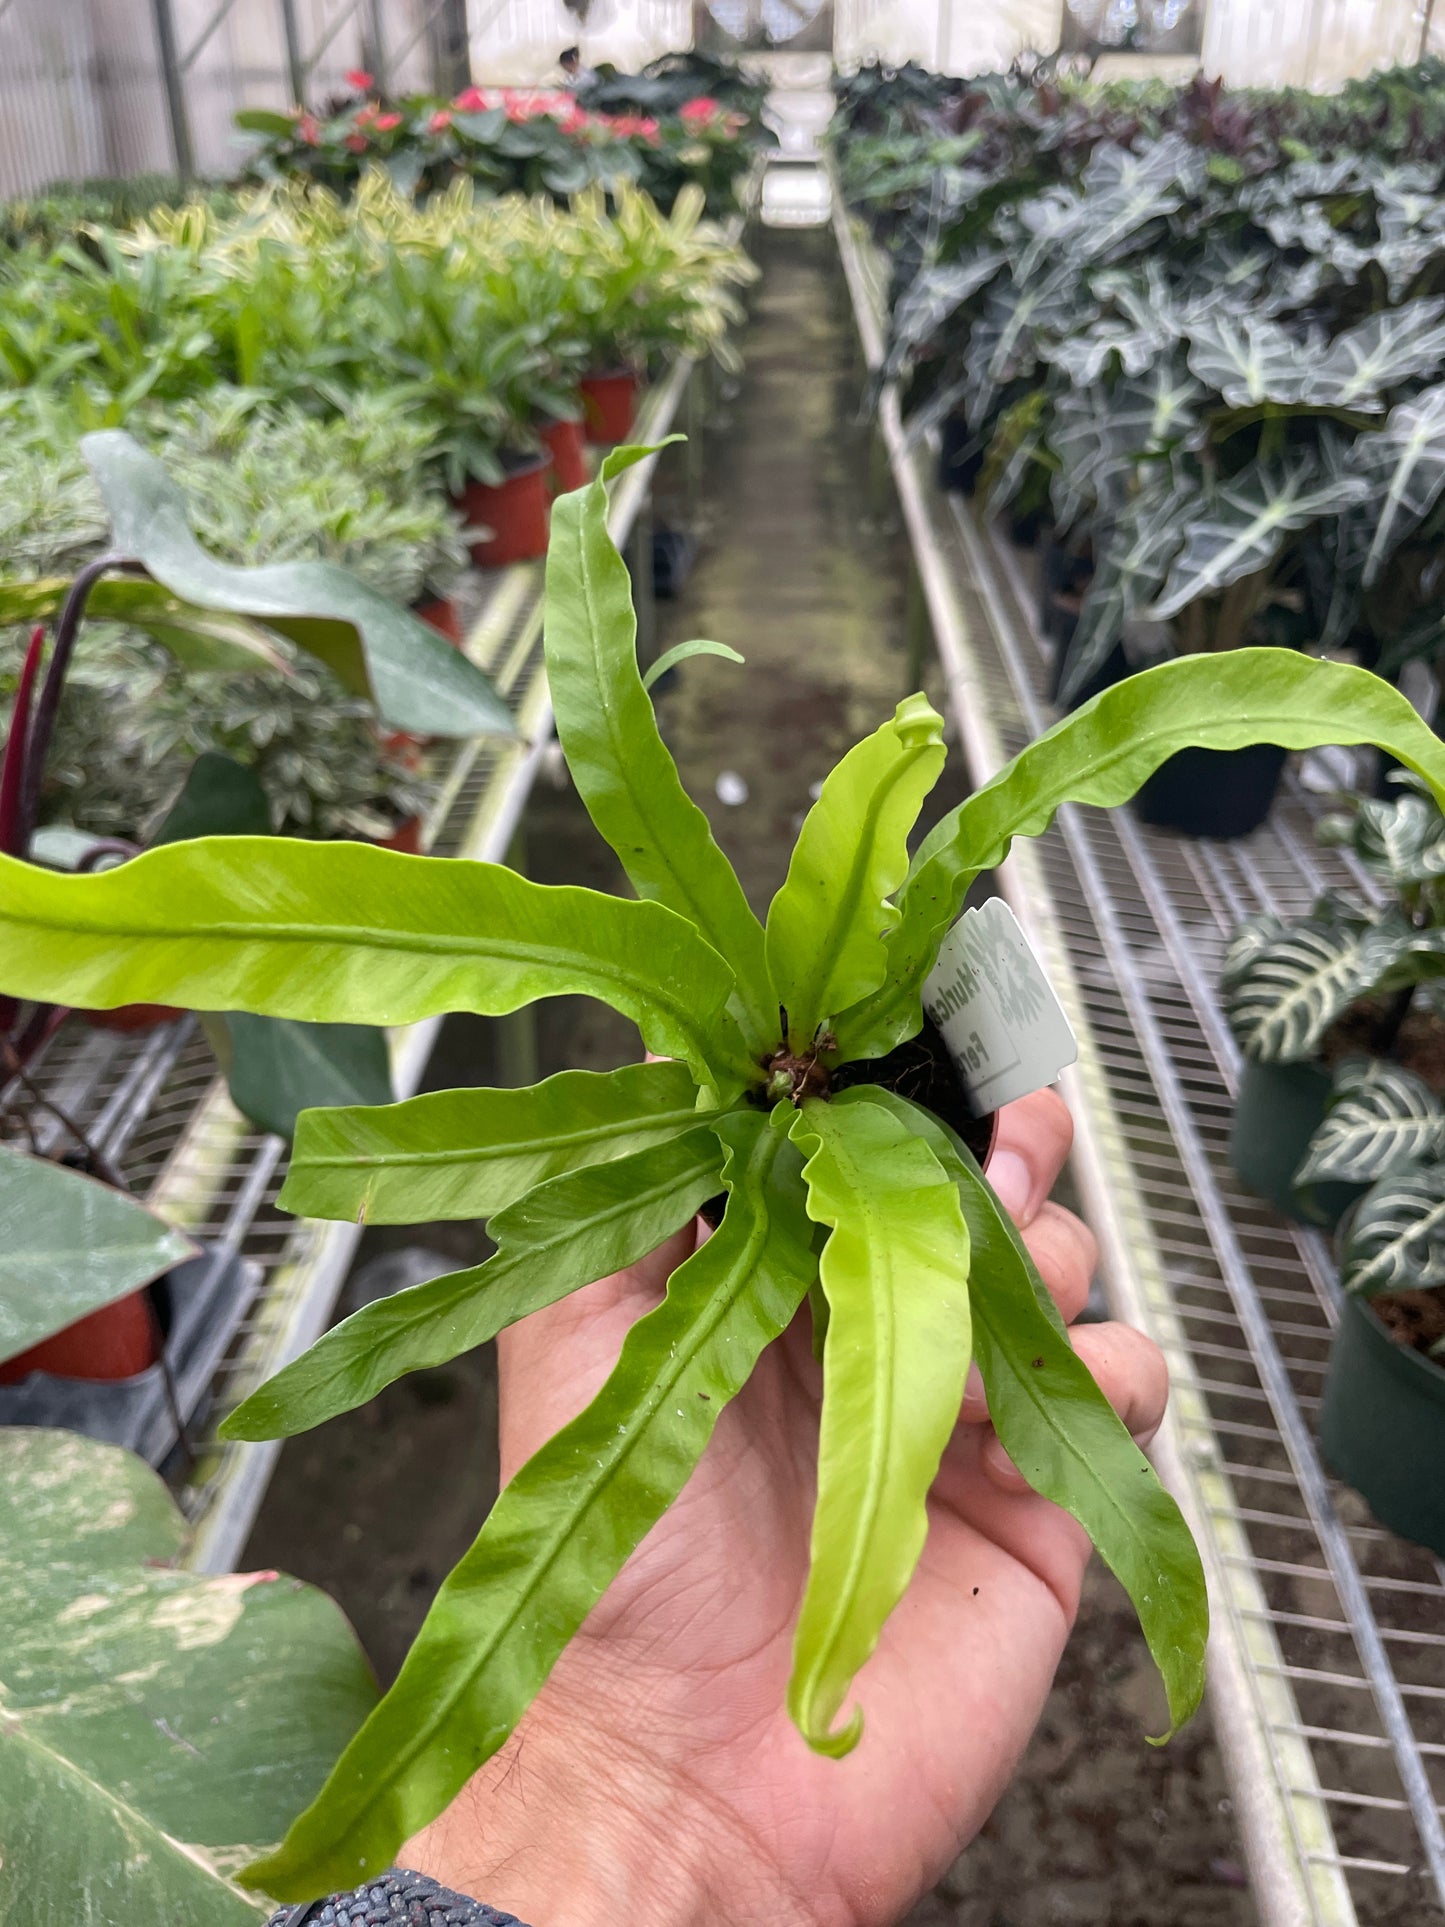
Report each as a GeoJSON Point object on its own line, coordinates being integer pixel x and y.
{"type": "Point", "coordinates": [1306, 996]}
{"type": "Point", "coordinates": [1382, 1421]}
{"type": "Point", "coordinates": [646, 285]}
{"type": "Point", "coordinates": [775, 1083]}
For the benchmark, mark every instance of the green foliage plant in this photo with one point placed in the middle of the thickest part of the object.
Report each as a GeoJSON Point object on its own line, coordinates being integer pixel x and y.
{"type": "Point", "coordinates": [835, 1185]}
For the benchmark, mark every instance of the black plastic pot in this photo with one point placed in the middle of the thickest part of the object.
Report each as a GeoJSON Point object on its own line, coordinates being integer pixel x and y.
{"type": "Point", "coordinates": [960, 457]}
{"type": "Point", "coordinates": [1382, 1425]}
{"type": "Point", "coordinates": [1220, 793]}
{"type": "Point", "coordinates": [1278, 1111]}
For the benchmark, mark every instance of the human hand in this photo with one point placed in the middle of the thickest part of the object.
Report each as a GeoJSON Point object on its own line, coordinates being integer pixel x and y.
{"type": "Point", "coordinates": [657, 1778]}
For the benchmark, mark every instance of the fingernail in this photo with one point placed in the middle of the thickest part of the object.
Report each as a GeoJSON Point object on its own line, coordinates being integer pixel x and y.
{"type": "Point", "coordinates": [1013, 1184]}
{"type": "Point", "coordinates": [1001, 1468]}
{"type": "Point", "coordinates": [975, 1402]}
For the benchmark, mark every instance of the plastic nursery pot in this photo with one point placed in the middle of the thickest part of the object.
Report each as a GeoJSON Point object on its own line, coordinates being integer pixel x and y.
{"type": "Point", "coordinates": [1382, 1425]}
{"type": "Point", "coordinates": [1277, 1112]}
{"type": "Point", "coordinates": [514, 511]}
{"type": "Point", "coordinates": [442, 614]}
{"type": "Point", "coordinates": [960, 459]}
{"type": "Point", "coordinates": [567, 446]}
{"type": "Point", "coordinates": [130, 1017]}
{"type": "Point", "coordinates": [117, 1341]}
{"type": "Point", "coordinates": [406, 837]}
{"type": "Point", "coordinates": [609, 405]}
{"type": "Point", "coordinates": [1219, 793]}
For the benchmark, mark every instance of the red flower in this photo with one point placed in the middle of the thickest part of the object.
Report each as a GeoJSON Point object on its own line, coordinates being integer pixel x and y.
{"type": "Point", "coordinates": [471, 100]}
{"type": "Point", "coordinates": [574, 121]}
{"type": "Point", "coordinates": [357, 143]}
{"type": "Point", "coordinates": [440, 121]}
{"type": "Point", "coordinates": [701, 109]}
{"type": "Point", "coordinates": [308, 129]}
{"type": "Point", "coordinates": [360, 79]}
{"type": "Point", "coordinates": [385, 122]}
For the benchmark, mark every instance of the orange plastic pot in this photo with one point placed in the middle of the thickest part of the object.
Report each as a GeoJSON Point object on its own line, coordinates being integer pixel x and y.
{"type": "Point", "coordinates": [568, 449]}
{"type": "Point", "coordinates": [130, 1017]}
{"type": "Point", "coordinates": [117, 1341]}
{"type": "Point", "coordinates": [406, 837]}
{"type": "Point", "coordinates": [442, 614]}
{"type": "Point", "coordinates": [514, 512]}
{"type": "Point", "coordinates": [609, 402]}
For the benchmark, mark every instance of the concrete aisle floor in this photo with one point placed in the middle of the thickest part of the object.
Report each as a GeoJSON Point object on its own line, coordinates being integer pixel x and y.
{"type": "Point", "coordinates": [804, 570]}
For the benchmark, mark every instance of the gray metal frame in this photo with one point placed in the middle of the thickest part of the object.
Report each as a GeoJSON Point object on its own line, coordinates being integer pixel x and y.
{"type": "Point", "coordinates": [450, 59]}
{"type": "Point", "coordinates": [1327, 1676]}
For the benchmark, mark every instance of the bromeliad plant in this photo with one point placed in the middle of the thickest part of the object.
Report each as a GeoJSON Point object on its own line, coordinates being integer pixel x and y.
{"type": "Point", "coordinates": [778, 1086]}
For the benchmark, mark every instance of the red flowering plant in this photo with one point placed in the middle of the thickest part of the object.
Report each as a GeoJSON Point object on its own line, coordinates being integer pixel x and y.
{"type": "Point", "coordinates": [506, 140]}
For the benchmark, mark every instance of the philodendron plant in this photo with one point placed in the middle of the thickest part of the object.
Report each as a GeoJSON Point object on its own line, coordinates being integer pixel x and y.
{"type": "Point", "coordinates": [768, 1038]}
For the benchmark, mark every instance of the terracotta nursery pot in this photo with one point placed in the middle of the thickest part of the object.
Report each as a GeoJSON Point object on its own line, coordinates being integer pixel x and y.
{"type": "Point", "coordinates": [117, 1341]}
{"type": "Point", "coordinates": [130, 1017]}
{"type": "Point", "coordinates": [406, 837]}
{"type": "Point", "coordinates": [609, 401]}
{"type": "Point", "coordinates": [568, 449]}
{"type": "Point", "coordinates": [514, 511]}
{"type": "Point", "coordinates": [442, 614]}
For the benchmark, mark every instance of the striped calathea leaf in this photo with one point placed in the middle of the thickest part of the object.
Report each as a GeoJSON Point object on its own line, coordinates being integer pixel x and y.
{"type": "Point", "coordinates": [825, 1180]}
{"type": "Point", "coordinates": [1400, 838]}
{"type": "Point", "coordinates": [1394, 1239]}
{"type": "Point", "coordinates": [1285, 984]}
{"type": "Point", "coordinates": [1381, 1117]}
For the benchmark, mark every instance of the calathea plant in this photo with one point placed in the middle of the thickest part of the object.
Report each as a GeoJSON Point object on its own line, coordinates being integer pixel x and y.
{"type": "Point", "coordinates": [1287, 984]}
{"type": "Point", "coordinates": [777, 1088]}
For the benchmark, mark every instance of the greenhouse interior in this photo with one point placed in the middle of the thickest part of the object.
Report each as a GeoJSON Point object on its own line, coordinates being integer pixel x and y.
{"type": "Point", "coordinates": [799, 640]}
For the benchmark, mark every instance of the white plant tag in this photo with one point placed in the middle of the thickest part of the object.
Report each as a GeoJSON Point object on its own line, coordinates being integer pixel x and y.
{"type": "Point", "coordinates": [988, 995]}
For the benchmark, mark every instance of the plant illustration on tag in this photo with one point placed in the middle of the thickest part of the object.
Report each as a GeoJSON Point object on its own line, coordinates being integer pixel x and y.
{"type": "Point", "coordinates": [996, 1010]}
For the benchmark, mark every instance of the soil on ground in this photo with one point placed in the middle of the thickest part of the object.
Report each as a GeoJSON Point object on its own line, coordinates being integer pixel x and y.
{"type": "Point", "coordinates": [803, 568]}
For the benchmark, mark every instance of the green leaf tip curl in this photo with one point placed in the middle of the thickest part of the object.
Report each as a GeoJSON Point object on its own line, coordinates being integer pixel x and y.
{"type": "Point", "coordinates": [684, 652]}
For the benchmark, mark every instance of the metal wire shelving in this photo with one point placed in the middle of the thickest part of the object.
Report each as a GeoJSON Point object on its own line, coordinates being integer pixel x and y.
{"type": "Point", "coordinates": [1328, 1657]}
{"type": "Point", "coordinates": [154, 1105]}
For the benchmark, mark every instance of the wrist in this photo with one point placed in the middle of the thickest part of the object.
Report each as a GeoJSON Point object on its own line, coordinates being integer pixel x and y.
{"type": "Point", "coordinates": [569, 1826]}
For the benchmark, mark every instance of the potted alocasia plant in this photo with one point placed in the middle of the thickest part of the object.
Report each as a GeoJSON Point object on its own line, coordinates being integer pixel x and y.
{"type": "Point", "coordinates": [1305, 997]}
{"type": "Point", "coordinates": [777, 1086]}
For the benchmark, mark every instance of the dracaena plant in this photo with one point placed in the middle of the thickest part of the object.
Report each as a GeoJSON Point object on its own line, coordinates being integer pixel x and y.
{"type": "Point", "coordinates": [773, 1088]}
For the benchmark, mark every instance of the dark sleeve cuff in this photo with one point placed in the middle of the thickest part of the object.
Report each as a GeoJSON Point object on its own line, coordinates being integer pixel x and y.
{"type": "Point", "coordinates": [395, 1899]}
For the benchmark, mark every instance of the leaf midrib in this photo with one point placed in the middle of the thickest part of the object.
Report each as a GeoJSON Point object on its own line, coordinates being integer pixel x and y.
{"type": "Point", "coordinates": [622, 763]}
{"type": "Point", "coordinates": [828, 954]}
{"type": "Point", "coordinates": [486, 1154]}
{"type": "Point", "coordinates": [661, 1387]}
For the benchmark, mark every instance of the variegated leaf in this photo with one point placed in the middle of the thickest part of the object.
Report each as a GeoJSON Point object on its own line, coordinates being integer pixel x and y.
{"type": "Point", "coordinates": [935, 295]}
{"type": "Point", "coordinates": [1406, 462]}
{"type": "Point", "coordinates": [1244, 524]}
{"type": "Point", "coordinates": [1134, 566]}
{"type": "Point", "coordinates": [1395, 1239]}
{"type": "Point", "coordinates": [1282, 995]}
{"type": "Point", "coordinates": [1379, 353]}
{"type": "Point", "coordinates": [1381, 1117]}
{"type": "Point", "coordinates": [1248, 359]}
